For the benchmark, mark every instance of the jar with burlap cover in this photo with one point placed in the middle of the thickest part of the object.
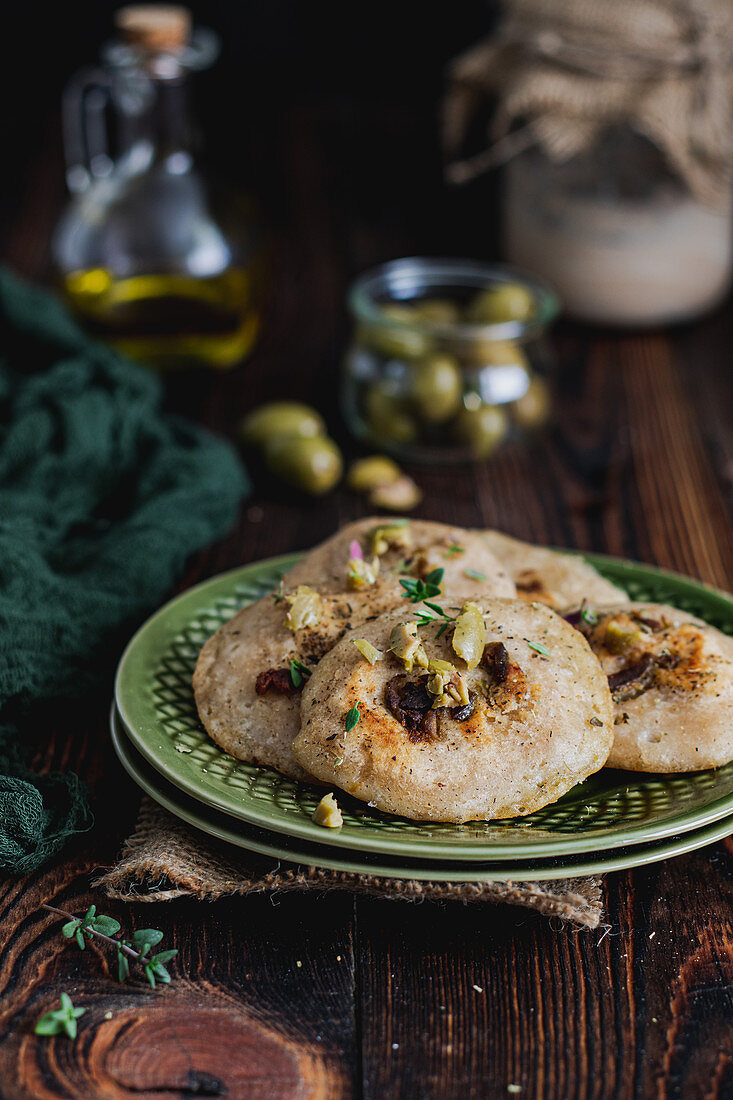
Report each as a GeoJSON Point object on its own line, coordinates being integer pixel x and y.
{"type": "Point", "coordinates": [615, 125]}
{"type": "Point", "coordinates": [564, 72]}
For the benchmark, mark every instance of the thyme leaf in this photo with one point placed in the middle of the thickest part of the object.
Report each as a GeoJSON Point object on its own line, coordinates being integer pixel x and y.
{"type": "Point", "coordinates": [297, 672]}
{"type": "Point", "coordinates": [61, 1021]}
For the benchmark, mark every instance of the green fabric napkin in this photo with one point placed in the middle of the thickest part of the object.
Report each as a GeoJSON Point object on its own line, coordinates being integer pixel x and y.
{"type": "Point", "coordinates": [102, 499]}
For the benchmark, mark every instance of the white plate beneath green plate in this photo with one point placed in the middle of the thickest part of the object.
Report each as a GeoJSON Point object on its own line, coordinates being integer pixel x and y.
{"type": "Point", "coordinates": [612, 809]}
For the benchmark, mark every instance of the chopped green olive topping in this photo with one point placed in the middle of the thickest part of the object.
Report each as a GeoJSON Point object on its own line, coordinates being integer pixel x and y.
{"type": "Point", "coordinates": [362, 573]}
{"type": "Point", "coordinates": [449, 688]}
{"type": "Point", "coordinates": [407, 647]}
{"type": "Point", "coordinates": [327, 813]}
{"type": "Point", "coordinates": [469, 636]}
{"type": "Point", "coordinates": [434, 665]}
{"type": "Point", "coordinates": [390, 536]}
{"type": "Point", "coordinates": [620, 636]}
{"type": "Point", "coordinates": [369, 651]}
{"type": "Point", "coordinates": [306, 608]}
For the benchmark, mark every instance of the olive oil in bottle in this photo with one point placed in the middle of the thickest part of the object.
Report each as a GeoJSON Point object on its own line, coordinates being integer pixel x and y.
{"type": "Point", "coordinates": [154, 255]}
{"type": "Point", "coordinates": [169, 320]}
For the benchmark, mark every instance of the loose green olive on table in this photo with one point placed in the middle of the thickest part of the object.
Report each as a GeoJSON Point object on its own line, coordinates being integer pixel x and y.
{"type": "Point", "coordinates": [312, 463]}
{"type": "Point", "coordinates": [430, 381]}
{"type": "Point", "coordinates": [292, 440]}
{"type": "Point", "coordinates": [384, 483]}
{"type": "Point", "coordinates": [401, 495]}
{"type": "Point", "coordinates": [280, 418]}
{"type": "Point", "coordinates": [372, 472]}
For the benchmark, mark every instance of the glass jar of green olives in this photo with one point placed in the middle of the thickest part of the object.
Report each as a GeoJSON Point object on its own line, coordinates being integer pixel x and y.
{"type": "Point", "coordinates": [448, 359]}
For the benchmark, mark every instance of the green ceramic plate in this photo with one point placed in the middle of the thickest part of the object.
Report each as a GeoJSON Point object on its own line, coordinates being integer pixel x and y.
{"type": "Point", "coordinates": [223, 827]}
{"type": "Point", "coordinates": [611, 809]}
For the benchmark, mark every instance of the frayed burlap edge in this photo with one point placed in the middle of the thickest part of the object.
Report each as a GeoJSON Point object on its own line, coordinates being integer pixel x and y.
{"type": "Point", "coordinates": [165, 859]}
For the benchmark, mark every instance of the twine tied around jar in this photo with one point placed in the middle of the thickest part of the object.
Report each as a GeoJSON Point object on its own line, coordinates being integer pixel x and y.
{"type": "Point", "coordinates": [563, 71]}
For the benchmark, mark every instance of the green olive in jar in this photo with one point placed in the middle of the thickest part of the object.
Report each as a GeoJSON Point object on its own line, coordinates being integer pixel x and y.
{"type": "Point", "coordinates": [501, 303]}
{"type": "Point", "coordinates": [436, 388]}
{"type": "Point", "coordinates": [387, 415]}
{"type": "Point", "coordinates": [482, 429]}
{"type": "Point", "coordinates": [313, 464]}
{"type": "Point", "coordinates": [532, 409]}
{"type": "Point", "coordinates": [492, 353]}
{"type": "Point", "coordinates": [396, 341]}
{"type": "Point", "coordinates": [437, 311]}
{"type": "Point", "coordinates": [280, 418]}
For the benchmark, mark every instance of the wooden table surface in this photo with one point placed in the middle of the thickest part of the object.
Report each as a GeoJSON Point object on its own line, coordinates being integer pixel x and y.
{"type": "Point", "coordinates": [334, 996]}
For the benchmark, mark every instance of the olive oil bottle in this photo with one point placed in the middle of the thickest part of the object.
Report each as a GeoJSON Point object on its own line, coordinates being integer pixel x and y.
{"type": "Point", "coordinates": [169, 320]}
{"type": "Point", "coordinates": [154, 254]}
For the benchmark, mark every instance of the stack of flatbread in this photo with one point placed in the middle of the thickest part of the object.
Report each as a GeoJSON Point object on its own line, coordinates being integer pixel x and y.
{"type": "Point", "coordinates": [448, 674]}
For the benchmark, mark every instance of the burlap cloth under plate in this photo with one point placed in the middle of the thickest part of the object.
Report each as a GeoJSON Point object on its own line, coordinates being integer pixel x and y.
{"type": "Point", "coordinates": [165, 859]}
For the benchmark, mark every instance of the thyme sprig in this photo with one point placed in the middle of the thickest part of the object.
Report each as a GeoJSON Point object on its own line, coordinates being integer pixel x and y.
{"type": "Point", "coordinates": [417, 590]}
{"type": "Point", "coordinates": [434, 615]}
{"type": "Point", "coordinates": [95, 925]}
{"type": "Point", "coordinates": [61, 1021]}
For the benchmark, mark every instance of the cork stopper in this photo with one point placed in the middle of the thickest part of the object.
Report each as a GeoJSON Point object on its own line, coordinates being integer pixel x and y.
{"type": "Point", "coordinates": [154, 26]}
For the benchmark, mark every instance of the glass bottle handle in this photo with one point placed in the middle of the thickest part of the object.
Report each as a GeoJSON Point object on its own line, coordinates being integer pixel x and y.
{"type": "Point", "coordinates": [86, 145]}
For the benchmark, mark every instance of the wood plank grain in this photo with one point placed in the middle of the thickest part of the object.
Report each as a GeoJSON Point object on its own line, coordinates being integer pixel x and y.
{"type": "Point", "coordinates": [224, 1027]}
{"type": "Point", "coordinates": [568, 1015]}
{"type": "Point", "coordinates": [228, 1016]}
{"type": "Point", "coordinates": [477, 1003]}
{"type": "Point", "coordinates": [638, 464]}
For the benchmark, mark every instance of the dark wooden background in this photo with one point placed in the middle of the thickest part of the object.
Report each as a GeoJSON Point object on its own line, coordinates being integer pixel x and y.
{"type": "Point", "coordinates": [330, 116]}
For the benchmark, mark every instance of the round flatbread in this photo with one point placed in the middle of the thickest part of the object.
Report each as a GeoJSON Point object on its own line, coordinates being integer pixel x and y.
{"type": "Point", "coordinates": [671, 676]}
{"type": "Point", "coordinates": [538, 720]}
{"type": "Point", "coordinates": [247, 697]}
{"type": "Point", "coordinates": [258, 725]}
{"type": "Point", "coordinates": [405, 548]}
{"type": "Point", "coordinates": [558, 580]}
